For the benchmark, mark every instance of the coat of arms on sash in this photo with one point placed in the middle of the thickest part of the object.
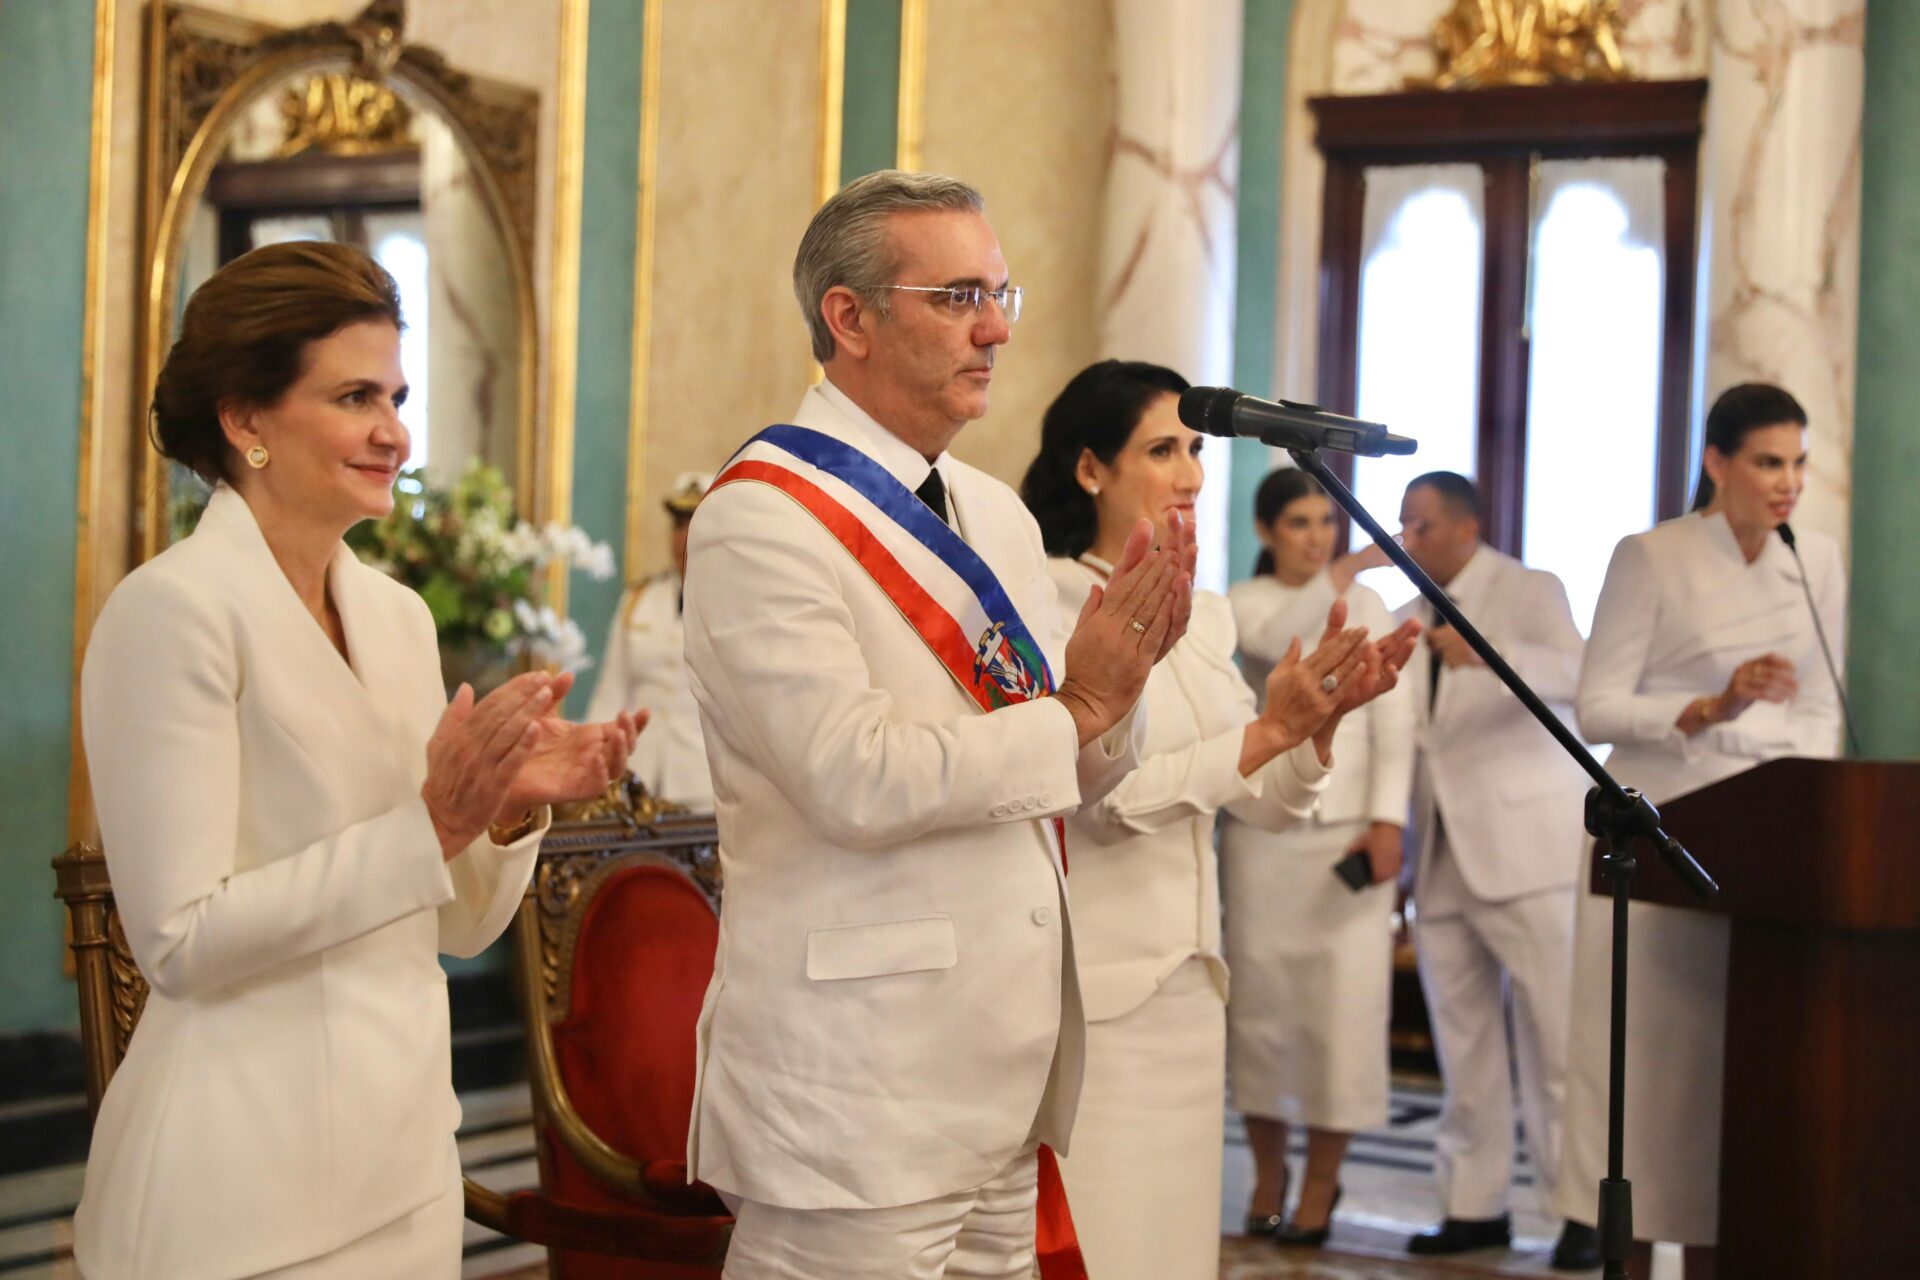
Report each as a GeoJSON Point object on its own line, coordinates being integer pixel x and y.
{"type": "Point", "coordinates": [998, 656]}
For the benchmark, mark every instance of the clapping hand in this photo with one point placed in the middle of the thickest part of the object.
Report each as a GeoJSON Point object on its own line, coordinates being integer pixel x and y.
{"type": "Point", "coordinates": [510, 751]}
{"type": "Point", "coordinates": [1302, 694]}
{"type": "Point", "coordinates": [1453, 648]}
{"type": "Point", "coordinates": [1126, 627]}
{"type": "Point", "coordinates": [571, 761]}
{"type": "Point", "coordinates": [1767, 678]}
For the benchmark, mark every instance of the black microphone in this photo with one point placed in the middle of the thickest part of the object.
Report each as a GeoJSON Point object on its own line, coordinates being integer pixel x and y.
{"type": "Point", "coordinates": [1222, 411]}
{"type": "Point", "coordinates": [1786, 535]}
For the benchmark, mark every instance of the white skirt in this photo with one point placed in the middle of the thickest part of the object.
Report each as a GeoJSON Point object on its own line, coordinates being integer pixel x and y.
{"type": "Point", "coordinates": [1311, 965]}
{"type": "Point", "coordinates": [422, 1245]}
{"type": "Point", "coordinates": [1143, 1180]}
{"type": "Point", "coordinates": [1676, 1052]}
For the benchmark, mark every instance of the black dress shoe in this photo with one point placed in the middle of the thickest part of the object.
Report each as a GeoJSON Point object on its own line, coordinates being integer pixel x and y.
{"type": "Point", "coordinates": [1290, 1236]}
{"type": "Point", "coordinates": [1578, 1248]}
{"type": "Point", "coordinates": [1263, 1226]}
{"type": "Point", "coordinates": [1460, 1235]}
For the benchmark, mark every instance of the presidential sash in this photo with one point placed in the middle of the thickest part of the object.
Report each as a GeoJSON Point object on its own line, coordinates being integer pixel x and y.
{"type": "Point", "coordinates": [958, 608]}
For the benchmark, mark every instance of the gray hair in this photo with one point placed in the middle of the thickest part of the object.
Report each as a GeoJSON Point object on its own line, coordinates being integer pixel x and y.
{"type": "Point", "coordinates": [846, 243]}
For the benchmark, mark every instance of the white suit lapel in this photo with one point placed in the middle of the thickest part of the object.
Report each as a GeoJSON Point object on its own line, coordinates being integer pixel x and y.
{"type": "Point", "coordinates": [339, 716]}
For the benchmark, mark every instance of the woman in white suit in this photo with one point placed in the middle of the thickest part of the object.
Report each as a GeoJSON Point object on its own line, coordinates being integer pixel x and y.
{"type": "Point", "coordinates": [1143, 1175]}
{"type": "Point", "coordinates": [1704, 661]}
{"type": "Point", "coordinates": [295, 818]}
{"type": "Point", "coordinates": [1312, 957]}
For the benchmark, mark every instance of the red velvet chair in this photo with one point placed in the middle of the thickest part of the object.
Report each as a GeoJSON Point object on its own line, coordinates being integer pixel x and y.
{"type": "Point", "coordinates": [617, 936]}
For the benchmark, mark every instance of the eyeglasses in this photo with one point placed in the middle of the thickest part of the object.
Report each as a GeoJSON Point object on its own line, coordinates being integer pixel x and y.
{"type": "Point", "coordinates": [958, 299]}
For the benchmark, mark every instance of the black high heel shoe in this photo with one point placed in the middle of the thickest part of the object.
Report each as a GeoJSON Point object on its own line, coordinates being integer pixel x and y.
{"type": "Point", "coordinates": [1264, 1226]}
{"type": "Point", "coordinates": [1289, 1236]}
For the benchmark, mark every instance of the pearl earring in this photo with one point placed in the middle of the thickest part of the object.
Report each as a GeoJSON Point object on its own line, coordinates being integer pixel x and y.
{"type": "Point", "coordinates": [257, 456]}
{"type": "Point", "coordinates": [1094, 489]}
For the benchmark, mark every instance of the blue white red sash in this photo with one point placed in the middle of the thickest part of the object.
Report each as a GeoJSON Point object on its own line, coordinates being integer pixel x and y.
{"type": "Point", "coordinates": [956, 605]}
{"type": "Point", "coordinates": [941, 586]}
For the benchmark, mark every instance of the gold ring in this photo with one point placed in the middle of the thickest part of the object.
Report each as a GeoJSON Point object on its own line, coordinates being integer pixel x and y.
{"type": "Point", "coordinates": [1137, 625]}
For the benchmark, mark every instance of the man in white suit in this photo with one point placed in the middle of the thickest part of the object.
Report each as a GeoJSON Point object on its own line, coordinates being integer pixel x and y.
{"type": "Point", "coordinates": [894, 1024]}
{"type": "Point", "coordinates": [1497, 810]}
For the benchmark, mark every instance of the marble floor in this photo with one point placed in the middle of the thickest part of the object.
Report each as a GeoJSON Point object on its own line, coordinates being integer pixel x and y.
{"type": "Point", "coordinates": [1388, 1179]}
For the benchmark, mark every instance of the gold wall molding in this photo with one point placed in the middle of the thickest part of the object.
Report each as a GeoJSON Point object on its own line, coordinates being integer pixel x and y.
{"type": "Point", "coordinates": [563, 291]}
{"type": "Point", "coordinates": [833, 88]}
{"type": "Point", "coordinates": [646, 211]}
{"type": "Point", "coordinates": [910, 122]}
{"type": "Point", "coordinates": [205, 68]}
{"type": "Point", "coordinates": [92, 439]}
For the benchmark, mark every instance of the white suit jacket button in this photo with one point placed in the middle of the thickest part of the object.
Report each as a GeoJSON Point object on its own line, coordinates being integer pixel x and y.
{"type": "Point", "coordinates": [1042, 916]}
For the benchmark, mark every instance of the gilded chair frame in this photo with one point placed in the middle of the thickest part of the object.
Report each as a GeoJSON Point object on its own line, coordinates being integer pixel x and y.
{"type": "Point", "coordinates": [626, 829]}
{"type": "Point", "coordinates": [204, 69]}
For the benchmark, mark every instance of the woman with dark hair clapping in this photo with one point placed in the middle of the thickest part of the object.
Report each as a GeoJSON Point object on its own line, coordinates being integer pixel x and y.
{"type": "Point", "coordinates": [295, 818]}
{"type": "Point", "coordinates": [1144, 1174]}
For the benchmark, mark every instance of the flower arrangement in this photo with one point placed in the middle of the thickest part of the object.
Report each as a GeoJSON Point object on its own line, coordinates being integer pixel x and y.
{"type": "Point", "coordinates": [474, 563]}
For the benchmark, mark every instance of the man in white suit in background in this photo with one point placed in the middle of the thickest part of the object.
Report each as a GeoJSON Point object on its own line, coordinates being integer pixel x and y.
{"type": "Point", "coordinates": [1497, 812]}
{"type": "Point", "coordinates": [894, 1025]}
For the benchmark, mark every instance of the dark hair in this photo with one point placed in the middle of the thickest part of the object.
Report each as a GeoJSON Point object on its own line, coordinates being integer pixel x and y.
{"type": "Point", "coordinates": [1098, 410]}
{"type": "Point", "coordinates": [1282, 487]}
{"type": "Point", "coordinates": [244, 339]}
{"type": "Point", "coordinates": [1455, 490]}
{"type": "Point", "coordinates": [1739, 412]}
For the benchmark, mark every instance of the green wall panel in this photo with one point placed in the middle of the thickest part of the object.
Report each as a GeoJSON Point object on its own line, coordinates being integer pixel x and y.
{"type": "Point", "coordinates": [46, 83]}
{"type": "Point", "coordinates": [604, 384]}
{"type": "Point", "coordinates": [1263, 105]}
{"type": "Point", "coordinates": [1884, 678]}
{"type": "Point", "coordinates": [870, 105]}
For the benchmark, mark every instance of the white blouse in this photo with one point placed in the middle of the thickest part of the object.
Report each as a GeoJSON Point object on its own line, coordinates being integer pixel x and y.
{"type": "Point", "coordinates": [1680, 610]}
{"type": "Point", "coordinates": [1142, 870]}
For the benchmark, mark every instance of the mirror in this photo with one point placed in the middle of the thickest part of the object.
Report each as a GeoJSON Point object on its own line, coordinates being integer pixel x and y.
{"type": "Point", "coordinates": [342, 132]}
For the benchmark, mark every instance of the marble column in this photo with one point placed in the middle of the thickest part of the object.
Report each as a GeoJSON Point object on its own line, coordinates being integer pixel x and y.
{"type": "Point", "coordinates": [1167, 253]}
{"type": "Point", "coordinates": [1782, 165]}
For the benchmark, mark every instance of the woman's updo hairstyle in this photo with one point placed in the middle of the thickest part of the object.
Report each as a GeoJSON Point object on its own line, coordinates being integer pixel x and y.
{"type": "Point", "coordinates": [244, 338]}
{"type": "Point", "coordinates": [1097, 410]}
{"type": "Point", "coordinates": [1282, 487]}
{"type": "Point", "coordinates": [1739, 412]}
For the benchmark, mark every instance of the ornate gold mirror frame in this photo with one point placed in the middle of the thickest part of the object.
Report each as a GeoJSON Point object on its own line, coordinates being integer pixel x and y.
{"type": "Point", "coordinates": [204, 69]}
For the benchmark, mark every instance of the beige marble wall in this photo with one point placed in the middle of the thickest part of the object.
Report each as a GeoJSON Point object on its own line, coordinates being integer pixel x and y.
{"type": "Point", "coordinates": [515, 41]}
{"type": "Point", "coordinates": [739, 123]}
{"type": "Point", "coordinates": [1782, 179]}
{"type": "Point", "coordinates": [1019, 102]}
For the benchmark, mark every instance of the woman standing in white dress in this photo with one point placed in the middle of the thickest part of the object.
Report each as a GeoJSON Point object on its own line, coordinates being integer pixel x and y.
{"type": "Point", "coordinates": [643, 666]}
{"type": "Point", "coordinates": [1311, 957]}
{"type": "Point", "coordinates": [1704, 661]}
{"type": "Point", "coordinates": [295, 818]}
{"type": "Point", "coordinates": [1143, 1177]}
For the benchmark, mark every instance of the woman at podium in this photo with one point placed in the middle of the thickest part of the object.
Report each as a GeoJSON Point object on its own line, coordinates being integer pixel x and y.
{"type": "Point", "coordinates": [1705, 660]}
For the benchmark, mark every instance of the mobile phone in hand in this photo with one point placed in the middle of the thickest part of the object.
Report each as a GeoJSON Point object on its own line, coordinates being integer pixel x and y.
{"type": "Point", "coordinates": [1355, 870]}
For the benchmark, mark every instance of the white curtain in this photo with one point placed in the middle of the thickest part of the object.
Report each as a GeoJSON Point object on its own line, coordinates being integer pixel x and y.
{"type": "Point", "coordinates": [1167, 246]}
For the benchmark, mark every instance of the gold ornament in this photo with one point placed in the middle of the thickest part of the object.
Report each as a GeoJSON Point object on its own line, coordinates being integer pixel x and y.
{"type": "Point", "coordinates": [1480, 43]}
{"type": "Point", "coordinates": [257, 456]}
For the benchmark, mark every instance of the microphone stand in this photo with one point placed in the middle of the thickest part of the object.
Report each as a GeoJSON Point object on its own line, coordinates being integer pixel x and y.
{"type": "Point", "coordinates": [1616, 815]}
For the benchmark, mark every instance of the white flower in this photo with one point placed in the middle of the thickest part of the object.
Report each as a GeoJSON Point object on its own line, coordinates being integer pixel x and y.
{"type": "Point", "coordinates": [527, 616]}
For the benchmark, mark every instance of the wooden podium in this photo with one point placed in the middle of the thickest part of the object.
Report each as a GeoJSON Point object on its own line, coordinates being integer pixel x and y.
{"type": "Point", "coordinates": [1819, 870]}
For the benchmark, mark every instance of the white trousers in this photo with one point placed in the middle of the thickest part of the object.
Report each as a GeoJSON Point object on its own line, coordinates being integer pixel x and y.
{"type": "Point", "coordinates": [1143, 1179]}
{"type": "Point", "coordinates": [986, 1232]}
{"type": "Point", "coordinates": [1474, 961]}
